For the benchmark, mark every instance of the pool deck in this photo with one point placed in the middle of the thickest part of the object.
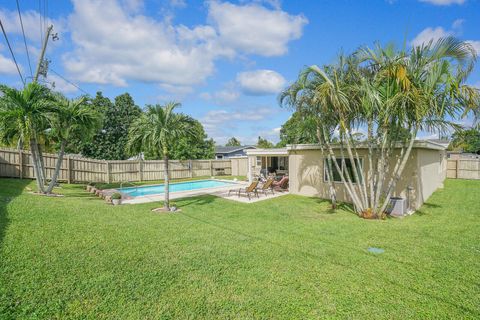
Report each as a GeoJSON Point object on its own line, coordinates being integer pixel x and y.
{"type": "Point", "coordinates": [222, 192]}
{"type": "Point", "coordinates": [184, 194]}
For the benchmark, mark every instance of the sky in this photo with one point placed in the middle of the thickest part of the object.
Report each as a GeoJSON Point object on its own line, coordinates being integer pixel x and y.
{"type": "Point", "coordinates": [224, 61]}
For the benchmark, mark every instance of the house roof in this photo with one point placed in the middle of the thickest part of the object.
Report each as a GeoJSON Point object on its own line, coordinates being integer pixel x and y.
{"type": "Point", "coordinates": [221, 149]}
{"type": "Point", "coordinates": [268, 152]}
{"type": "Point", "coordinates": [419, 144]}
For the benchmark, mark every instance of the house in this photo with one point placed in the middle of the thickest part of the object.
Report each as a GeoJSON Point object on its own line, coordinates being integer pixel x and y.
{"type": "Point", "coordinates": [425, 170]}
{"type": "Point", "coordinates": [230, 152]}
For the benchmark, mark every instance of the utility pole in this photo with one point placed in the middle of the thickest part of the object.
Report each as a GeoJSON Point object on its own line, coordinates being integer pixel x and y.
{"type": "Point", "coordinates": [41, 63]}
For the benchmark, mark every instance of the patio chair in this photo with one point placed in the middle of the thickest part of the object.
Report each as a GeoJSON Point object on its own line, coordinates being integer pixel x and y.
{"type": "Point", "coordinates": [268, 185]}
{"type": "Point", "coordinates": [281, 185]}
{"type": "Point", "coordinates": [252, 188]}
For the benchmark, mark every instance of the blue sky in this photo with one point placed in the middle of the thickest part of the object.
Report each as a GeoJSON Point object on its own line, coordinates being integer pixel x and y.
{"type": "Point", "coordinates": [224, 61]}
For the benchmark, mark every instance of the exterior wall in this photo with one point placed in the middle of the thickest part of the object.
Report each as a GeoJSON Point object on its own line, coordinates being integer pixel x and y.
{"type": "Point", "coordinates": [239, 166]}
{"type": "Point", "coordinates": [306, 169]}
{"type": "Point", "coordinates": [432, 168]}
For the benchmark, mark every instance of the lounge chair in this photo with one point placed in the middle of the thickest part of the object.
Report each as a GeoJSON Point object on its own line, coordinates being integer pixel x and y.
{"type": "Point", "coordinates": [281, 185]}
{"type": "Point", "coordinates": [252, 188]}
{"type": "Point", "coordinates": [268, 185]}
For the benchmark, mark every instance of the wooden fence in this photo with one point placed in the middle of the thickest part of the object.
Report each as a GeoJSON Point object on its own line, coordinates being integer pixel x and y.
{"type": "Point", "coordinates": [463, 168]}
{"type": "Point", "coordinates": [18, 164]}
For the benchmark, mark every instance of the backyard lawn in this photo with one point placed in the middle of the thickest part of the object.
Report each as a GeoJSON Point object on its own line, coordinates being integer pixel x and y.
{"type": "Point", "coordinates": [289, 257]}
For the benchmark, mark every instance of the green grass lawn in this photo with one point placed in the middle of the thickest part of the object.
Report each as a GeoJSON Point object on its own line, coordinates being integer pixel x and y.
{"type": "Point", "coordinates": [289, 257]}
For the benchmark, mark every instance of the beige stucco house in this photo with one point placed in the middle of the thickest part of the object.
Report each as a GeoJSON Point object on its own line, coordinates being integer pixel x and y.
{"type": "Point", "coordinates": [424, 173]}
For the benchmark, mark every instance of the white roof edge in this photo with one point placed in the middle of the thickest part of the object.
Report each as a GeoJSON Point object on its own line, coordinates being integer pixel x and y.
{"type": "Point", "coordinates": [273, 151]}
{"type": "Point", "coordinates": [418, 144]}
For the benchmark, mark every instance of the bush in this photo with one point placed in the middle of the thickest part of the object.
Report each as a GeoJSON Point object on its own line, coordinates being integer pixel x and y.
{"type": "Point", "coordinates": [116, 196]}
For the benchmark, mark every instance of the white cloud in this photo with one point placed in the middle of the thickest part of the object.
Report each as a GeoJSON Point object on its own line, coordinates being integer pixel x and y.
{"type": "Point", "coordinates": [252, 28]}
{"type": "Point", "coordinates": [113, 47]}
{"type": "Point", "coordinates": [475, 45]}
{"type": "Point", "coordinates": [430, 34]}
{"type": "Point", "coordinates": [7, 66]}
{"type": "Point", "coordinates": [433, 34]}
{"type": "Point", "coordinates": [116, 46]}
{"type": "Point", "coordinates": [61, 85]}
{"type": "Point", "coordinates": [222, 96]}
{"type": "Point", "coordinates": [261, 82]}
{"type": "Point", "coordinates": [31, 25]}
{"type": "Point", "coordinates": [220, 124]}
{"type": "Point", "coordinates": [443, 2]}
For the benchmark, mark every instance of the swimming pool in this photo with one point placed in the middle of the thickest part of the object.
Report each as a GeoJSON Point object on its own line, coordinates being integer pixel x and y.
{"type": "Point", "coordinates": [174, 187]}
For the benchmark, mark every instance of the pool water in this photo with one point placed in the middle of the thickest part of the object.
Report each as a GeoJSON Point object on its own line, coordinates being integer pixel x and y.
{"type": "Point", "coordinates": [174, 187]}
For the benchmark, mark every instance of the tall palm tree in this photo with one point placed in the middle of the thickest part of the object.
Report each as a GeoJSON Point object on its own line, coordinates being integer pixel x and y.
{"type": "Point", "coordinates": [24, 117]}
{"type": "Point", "coordinates": [395, 94]}
{"type": "Point", "coordinates": [72, 118]}
{"type": "Point", "coordinates": [155, 131]}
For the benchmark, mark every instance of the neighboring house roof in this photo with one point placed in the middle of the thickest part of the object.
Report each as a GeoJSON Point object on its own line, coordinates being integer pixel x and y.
{"type": "Point", "coordinates": [232, 149]}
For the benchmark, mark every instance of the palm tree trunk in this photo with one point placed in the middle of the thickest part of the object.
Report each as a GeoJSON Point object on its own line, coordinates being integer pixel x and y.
{"type": "Point", "coordinates": [36, 169]}
{"type": "Point", "coordinates": [397, 173]}
{"type": "Point", "coordinates": [328, 169]}
{"type": "Point", "coordinates": [166, 203]}
{"type": "Point", "coordinates": [53, 182]}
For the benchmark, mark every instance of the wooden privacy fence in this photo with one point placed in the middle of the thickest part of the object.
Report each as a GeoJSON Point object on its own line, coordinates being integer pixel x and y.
{"type": "Point", "coordinates": [463, 169]}
{"type": "Point", "coordinates": [18, 164]}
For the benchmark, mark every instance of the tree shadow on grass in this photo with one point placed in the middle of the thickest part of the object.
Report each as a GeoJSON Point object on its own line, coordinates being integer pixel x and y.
{"type": "Point", "coordinates": [341, 206]}
{"type": "Point", "coordinates": [199, 200]}
{"type": "Point", "coordinates": [371, 273]}
{"type": "Point", "coordinates": [9, 190]}
{"type": "Point", "coordinates": [424, 209]}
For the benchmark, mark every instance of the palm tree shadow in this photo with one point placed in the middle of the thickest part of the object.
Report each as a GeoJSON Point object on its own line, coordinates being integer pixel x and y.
{"type": "Point", "coordinates": [199, 200]}
{"type": "Point", "coordinates": [11, 188]}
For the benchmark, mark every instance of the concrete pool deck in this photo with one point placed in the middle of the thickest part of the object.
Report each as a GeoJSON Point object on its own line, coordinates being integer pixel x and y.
{"type": "Point", "coordinates": [222, 192]}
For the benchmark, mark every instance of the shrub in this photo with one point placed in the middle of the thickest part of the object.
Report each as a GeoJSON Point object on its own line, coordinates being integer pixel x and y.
{"type": "Point", "coordinates": [116, 196]}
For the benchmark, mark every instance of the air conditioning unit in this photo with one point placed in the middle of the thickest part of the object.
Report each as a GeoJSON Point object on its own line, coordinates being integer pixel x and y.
{"type": "Point", "coordinates": [397, 207]}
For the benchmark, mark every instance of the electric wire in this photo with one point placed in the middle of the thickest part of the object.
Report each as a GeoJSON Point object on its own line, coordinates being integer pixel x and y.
{"type": "Point", "coordinates": [11, 51]}
{"type": "Point", "coordinates": [68, 81]}
{"type": "Point", "coordinates": [24, 38]}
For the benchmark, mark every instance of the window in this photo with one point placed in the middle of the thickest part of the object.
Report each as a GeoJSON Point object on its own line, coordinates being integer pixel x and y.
{"type": "Point", "coordinates": [259, 161]}
{"type": "Point", "coordinates": [219, 156]}
{"type": "Point", "coordinates": [345, 167]}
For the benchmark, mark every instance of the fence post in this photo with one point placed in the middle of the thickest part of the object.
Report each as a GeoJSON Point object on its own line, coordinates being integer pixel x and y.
{"type": "Point", "coordinates": [69, 170]}
{"type": "Point", "coordinates": [20, 161]}
{"type": "Point", "coordinates": [109, 180]}
{"type": "Point", "coordinates": [457, 169]}
{"type": "Point", "coordinates": [211, 168]}
{"type": "Point", "coordinates": [190, 168]}
{"type": "Point", "coordinates": [140, 169]}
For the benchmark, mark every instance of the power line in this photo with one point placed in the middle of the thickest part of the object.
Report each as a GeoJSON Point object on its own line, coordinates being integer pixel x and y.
{"type": "Point", "coordinates": [40, 19]}
{"type": "Point", "coordinates": [68, 81]}
{"type": "Point", "coordinates": [11, 51]}
{"type": "Point", "coordinates": [24, 39]}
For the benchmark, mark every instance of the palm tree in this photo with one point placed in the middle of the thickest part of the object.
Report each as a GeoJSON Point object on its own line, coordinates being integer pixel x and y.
{"type": "Point", "coordinates": [72, 118]}
{"type": "Point", "coordinates": [155, 131]}
{"type": "Point", "coordinates": [395, 94]}
{"type": "Point", "coordinates": [24, 117]}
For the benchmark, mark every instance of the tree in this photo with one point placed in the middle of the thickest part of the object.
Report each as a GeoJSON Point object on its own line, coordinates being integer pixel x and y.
{"type": "Point", "coordinates": [384, 90]}
{"type": "Point", "coordinates": [157, 131]}
{"type": "Point", "coordinates": [193, 146]}
{"type": "Point", "coordinates": [466, 141]}
{"type": "Point", "coordinates": [24, 118]}
{"type": "Point", "coordinates": [110, 140]}
{"type": "Point", "coordinates": [264, 143]}
{"type": "Point", "coordinates": [72, 118]}
{"type": "Point", "coordinates": [233, 142]}
{"type": "Point", "coordinates": [299, 129]}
